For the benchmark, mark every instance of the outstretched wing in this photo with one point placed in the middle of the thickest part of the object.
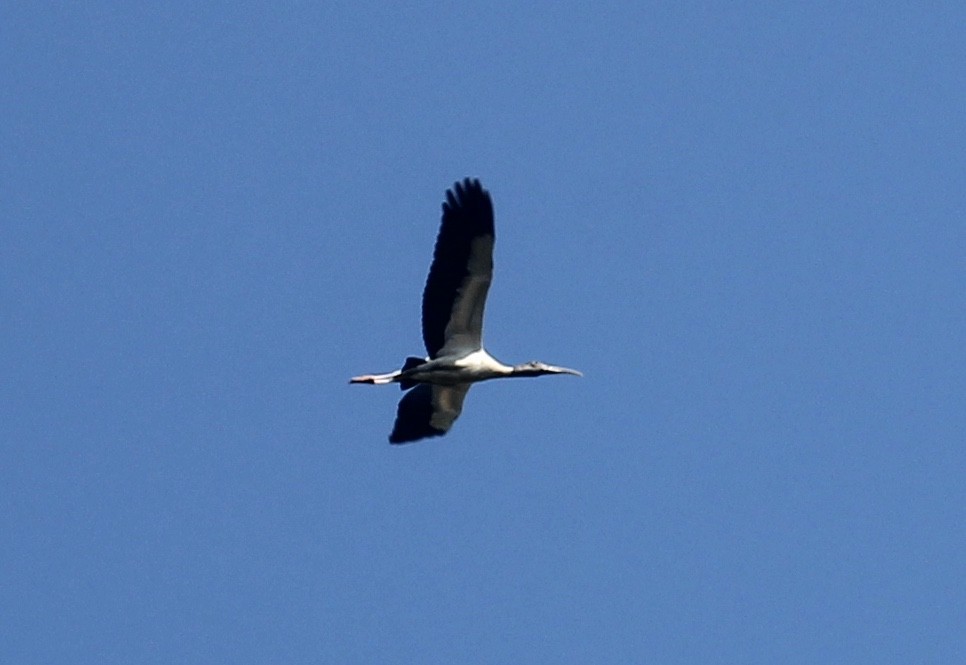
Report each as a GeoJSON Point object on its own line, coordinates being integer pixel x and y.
{"type": "Point", "coordinates": [427, 410]}
{"type": "Point", "coordinates": [460, 275]}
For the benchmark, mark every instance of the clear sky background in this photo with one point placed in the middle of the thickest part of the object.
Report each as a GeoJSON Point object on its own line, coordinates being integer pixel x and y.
{"type": "Point", "coordinates": [745, 222]}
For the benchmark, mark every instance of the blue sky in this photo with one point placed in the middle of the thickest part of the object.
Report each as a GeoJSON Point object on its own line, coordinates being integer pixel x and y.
{"type": "Point", "coordinates": [744, 223]}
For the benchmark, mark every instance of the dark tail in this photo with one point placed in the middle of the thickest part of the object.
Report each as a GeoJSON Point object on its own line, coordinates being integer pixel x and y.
{"type": "Point", "coordinates": [411, 363]}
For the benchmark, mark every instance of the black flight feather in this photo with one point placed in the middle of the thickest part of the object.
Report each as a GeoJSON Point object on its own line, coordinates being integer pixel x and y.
{"type": "Point", "coordinates": [467, 215]}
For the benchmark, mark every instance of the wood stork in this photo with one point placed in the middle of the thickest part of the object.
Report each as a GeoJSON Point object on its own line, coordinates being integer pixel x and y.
{"type": "Point", "coordinates": [453, 302]}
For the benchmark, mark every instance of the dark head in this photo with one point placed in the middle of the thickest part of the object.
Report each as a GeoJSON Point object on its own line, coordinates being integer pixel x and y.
{"type": "Point", "coordinates": [536, 368]}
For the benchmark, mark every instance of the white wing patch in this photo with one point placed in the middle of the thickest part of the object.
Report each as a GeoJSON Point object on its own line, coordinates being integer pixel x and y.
{"type": "Point", "coordinates": [464, 332]}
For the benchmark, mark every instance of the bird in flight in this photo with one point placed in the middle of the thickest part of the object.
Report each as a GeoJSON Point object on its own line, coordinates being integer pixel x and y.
{"type": "Point", "coordinates": [453, 302]}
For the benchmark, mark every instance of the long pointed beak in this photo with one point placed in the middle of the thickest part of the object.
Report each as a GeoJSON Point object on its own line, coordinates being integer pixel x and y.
{"type": "Point", "coordinates": [565, 370]}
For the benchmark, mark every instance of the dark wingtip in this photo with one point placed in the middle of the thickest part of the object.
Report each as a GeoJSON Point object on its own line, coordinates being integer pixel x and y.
{"type": "Point", "coordinates": [413, 436]}
{"type": "Point", "coordinates": [456, 194]}
{"type": "Point", "coordinates": [408, 431]}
